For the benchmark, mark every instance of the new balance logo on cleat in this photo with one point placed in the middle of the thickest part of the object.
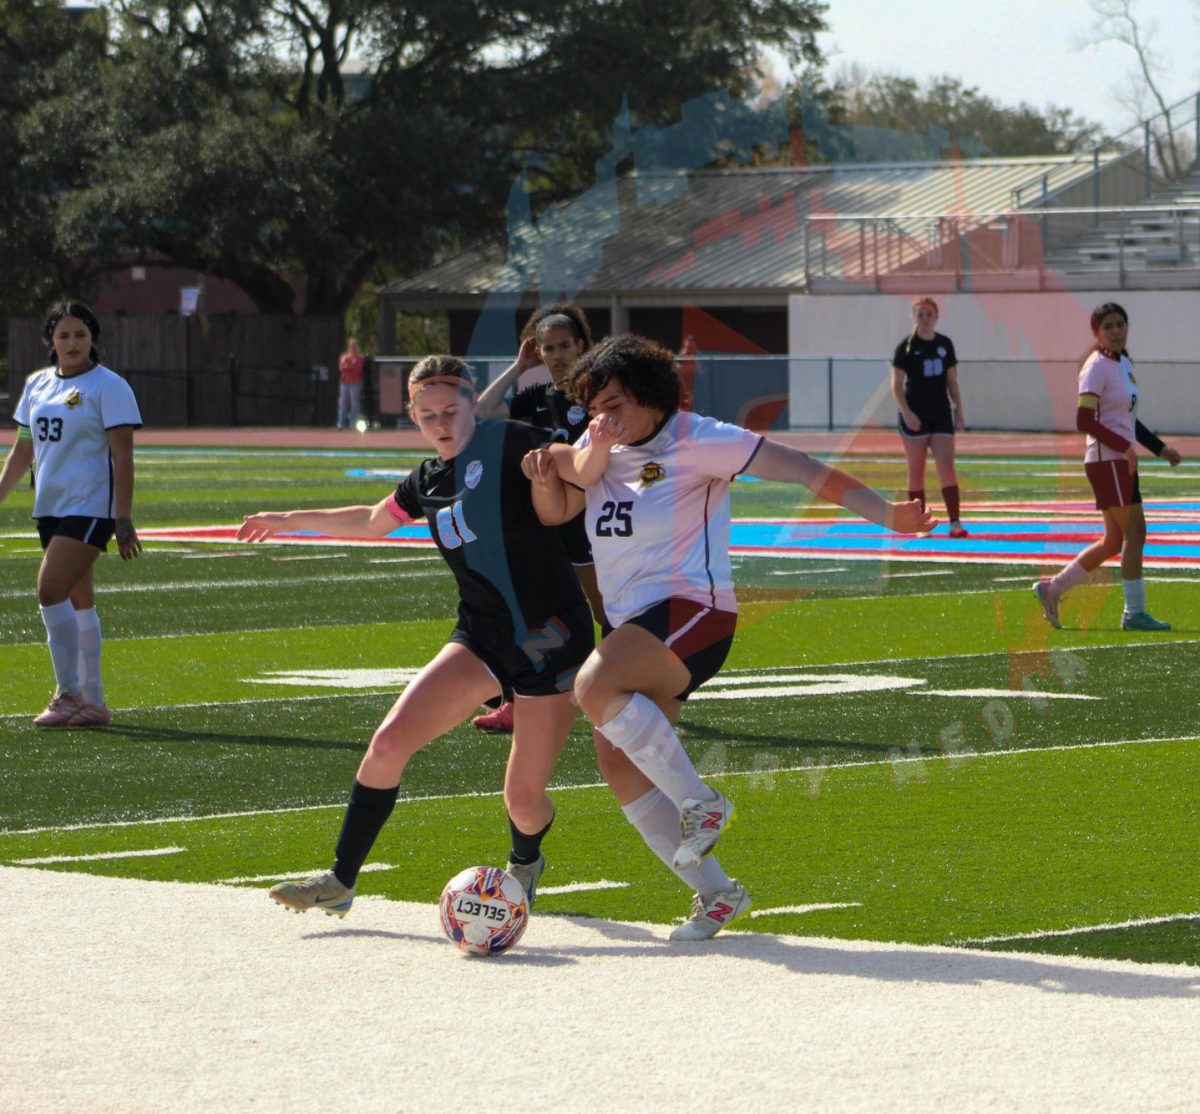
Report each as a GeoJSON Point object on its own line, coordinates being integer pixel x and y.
{"type": "Point", "coordinates": [701, 825]}
{"type": "Point", "coordinates": [720, 912]}
{"type": "Point", "coordinates": [711, 914]}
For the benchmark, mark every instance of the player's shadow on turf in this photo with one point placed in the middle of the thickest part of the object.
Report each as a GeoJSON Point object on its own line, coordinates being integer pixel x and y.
{"type": "Point", "coordinates": [521, 956]}
{"type": "Point", "coordinates": [741, 740]}
{"type": "Point", "coordinates": [172, 735]}
{"type": "Point", "coordinates": [903, 965]}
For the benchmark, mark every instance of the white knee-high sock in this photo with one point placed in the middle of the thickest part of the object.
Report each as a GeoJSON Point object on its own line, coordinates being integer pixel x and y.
{"type": "Point", "coordinates": [62, 635]}
{"type": "Point", "coordinates": [1067, 578]}
{"type": "Point", "coordinates": [657, 821]}
{"type": "Point", "coordinates": [649, 741]}
{"type": "Point", "coordinates": [90, 683]}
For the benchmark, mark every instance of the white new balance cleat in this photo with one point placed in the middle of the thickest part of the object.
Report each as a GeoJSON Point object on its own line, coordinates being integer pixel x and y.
{"type": "Point", "coordinates": [711, 914]}
{"type": "Point", "coordinates": [321, 891]}
{"type": "Point", "coordinates": [702, 823]}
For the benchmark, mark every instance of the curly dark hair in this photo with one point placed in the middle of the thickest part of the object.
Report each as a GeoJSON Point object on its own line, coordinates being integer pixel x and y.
{"type": "Point", "coordinates": [70, 309]}
{"type": "Point", "coordinates": [441, 367]}
{"type": "Point", "coordinates": [577, 321]}
{"type": "Point", "coordinates": [642, 366]}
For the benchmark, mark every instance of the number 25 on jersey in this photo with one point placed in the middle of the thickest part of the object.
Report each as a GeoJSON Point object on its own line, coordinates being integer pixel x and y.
{"type": "Point", "coordinates": [615, 521]}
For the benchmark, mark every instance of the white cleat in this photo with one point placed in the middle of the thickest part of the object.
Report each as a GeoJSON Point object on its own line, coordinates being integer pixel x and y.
{"type": "Point", "coordinates": [711, 914]}
{"type": "Point", "coordinates": [702, 823]}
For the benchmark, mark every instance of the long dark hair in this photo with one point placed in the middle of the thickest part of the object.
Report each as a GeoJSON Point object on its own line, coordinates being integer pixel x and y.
{"type": "Point", "coordinates": [71, 309]}
{"type": "Point", "coordinates": [576, 321]}
{"type": "Point", "coordinates": [1098, 315]}
{"type": "Point", "coordinates": [643, 367]}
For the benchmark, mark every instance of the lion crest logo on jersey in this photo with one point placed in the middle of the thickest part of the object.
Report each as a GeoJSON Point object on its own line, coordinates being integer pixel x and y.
{"type": "Point", "coordinates": [74, 399]}
{"type": "Point", "coordinates": [474, 474]}
{"type": "Point", "coordinates": [652, 473]}
{"type": "Point", "coordinates": [576, 414]}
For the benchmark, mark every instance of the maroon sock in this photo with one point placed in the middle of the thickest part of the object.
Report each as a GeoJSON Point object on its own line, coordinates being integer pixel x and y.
{"type": "Point", "coordinates": [950, 497]}
{"type": "Point", "coordinates": [918, 495]}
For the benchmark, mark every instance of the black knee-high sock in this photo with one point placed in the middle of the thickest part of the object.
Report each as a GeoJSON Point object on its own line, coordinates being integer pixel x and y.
{"type": "Point", "coordinates": [526, 848]}
{"type": "Point", "coordinates": [918, 495]}
{"type": "Point", "coordinates": [950, 498]}
{"type": "Point", "coordinates": [366, 815]}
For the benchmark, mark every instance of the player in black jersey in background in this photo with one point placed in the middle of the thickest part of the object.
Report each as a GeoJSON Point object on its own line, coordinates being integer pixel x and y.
{"type": "Point", "coordinates": [924, 384]}
{"type": "Point", "coordinates": [523, 628]}
{"type": "Point", "coordinates": [556, 336]}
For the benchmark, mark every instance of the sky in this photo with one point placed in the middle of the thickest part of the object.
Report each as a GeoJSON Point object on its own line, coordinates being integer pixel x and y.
{"type": "Point", "coordinates": [1017, 50]}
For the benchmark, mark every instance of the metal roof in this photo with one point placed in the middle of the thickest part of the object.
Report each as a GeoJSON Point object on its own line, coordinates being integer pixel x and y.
{"type": "Point", "coordinates": [734, 231]}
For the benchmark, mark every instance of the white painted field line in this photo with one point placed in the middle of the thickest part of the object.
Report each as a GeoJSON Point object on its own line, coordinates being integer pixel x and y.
{"type": "Point", "coordinates": [1081, 929]}
{"type": "Point", "coordinates": [727, 677]}
{"type": "Point", "coordinates": [809, 572]}
{"type": "Point", "coordinates": [404, 560]}
{"type": "Point", "coordinates": [815, 907]}
{"type": "Point", "coordinates": [369, 868]}
{"type": "Point", "coordinates": [154, 851]}
{"type": "Point", "coordinates": [910, 575]}
{"type": "Point", "coordinates": [581, 887]}
{"type": "Point", "coordinates": [828, 767]}
{"type": "Point", "coordinates": [1018, 694]}
{"type": "Point", "coordinates": [246, 582]}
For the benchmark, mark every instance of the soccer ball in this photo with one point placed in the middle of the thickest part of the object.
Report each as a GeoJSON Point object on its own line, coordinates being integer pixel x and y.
{"type": "Point", "coordinates": [484, 910]}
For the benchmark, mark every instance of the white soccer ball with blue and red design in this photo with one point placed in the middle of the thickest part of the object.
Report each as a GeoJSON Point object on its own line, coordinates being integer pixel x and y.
{"type": "Point", "coordinates": [483, 910]}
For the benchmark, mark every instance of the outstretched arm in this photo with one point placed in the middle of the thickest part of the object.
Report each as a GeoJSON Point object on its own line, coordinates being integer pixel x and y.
{"type": "Point", "coordinates": [339, 522]}
{"type": "Point", "coordinates": [775, 461]}
{"type": "Point", "coordinates": [491, 402]}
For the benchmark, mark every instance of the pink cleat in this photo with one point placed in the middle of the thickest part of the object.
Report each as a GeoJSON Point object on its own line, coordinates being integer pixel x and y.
{"type": "Point", "coordinates": [91, 715]}
{"type": "Point", "coordinates": [958, 530]}
{"type": "Point", "coordinates": [500, 721]}
{"type": "Point", "coordinates": [58, 713]}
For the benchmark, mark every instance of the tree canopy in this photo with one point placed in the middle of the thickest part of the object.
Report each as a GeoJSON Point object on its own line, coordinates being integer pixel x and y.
{"type": "Point", "coordinates": [299, 147]}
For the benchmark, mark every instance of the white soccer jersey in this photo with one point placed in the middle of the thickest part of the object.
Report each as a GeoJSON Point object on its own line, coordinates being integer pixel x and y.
{"type": "Point", "coordinates": [1113, 382]}
{"type": "Point", "coordinates": [69, 418]}
{"type": "Point", "coordinates": [658, 519]}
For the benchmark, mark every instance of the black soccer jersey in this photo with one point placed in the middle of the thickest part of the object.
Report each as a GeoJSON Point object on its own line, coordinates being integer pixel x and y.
{"type": "Point", "coordinates": [512, 571]}
{"type": "Point", "coordinates": [546, 407]}
{"type": "Point", "coordinates": [925, 363]}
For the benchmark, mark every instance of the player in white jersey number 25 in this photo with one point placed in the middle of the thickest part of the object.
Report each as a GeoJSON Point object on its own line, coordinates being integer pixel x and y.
{"type": "Point", "coordinates": [654, 483]}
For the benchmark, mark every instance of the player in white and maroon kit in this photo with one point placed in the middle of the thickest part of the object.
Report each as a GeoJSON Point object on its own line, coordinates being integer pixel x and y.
{"type": "Point", "coordinates": [656, 488]}
{"type": "Point", "coordinates": [523, 626]}
{"type": "Point", "coordinates": [75, 422]}
{"type": "Point", "coordinates": [1107, 413]}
